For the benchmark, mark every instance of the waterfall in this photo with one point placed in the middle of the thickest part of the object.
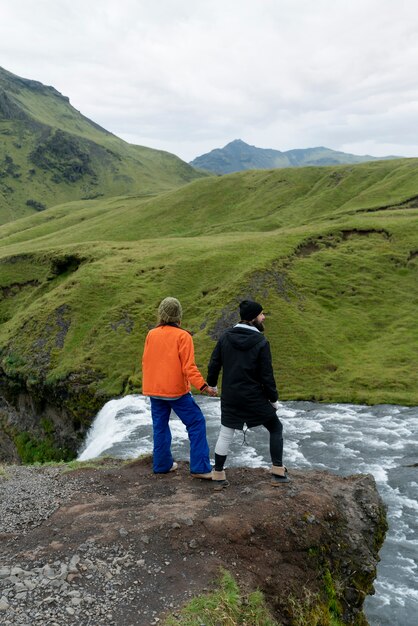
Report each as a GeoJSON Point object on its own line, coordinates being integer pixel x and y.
{"type": "Point", "coordinates": [119, 421]}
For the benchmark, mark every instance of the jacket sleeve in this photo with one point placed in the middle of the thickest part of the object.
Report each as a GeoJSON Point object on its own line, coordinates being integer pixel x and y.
{"type": "Point", "coordinates": [188, 365]}
{"type": "Point", "coordinates": [215, 365]}
{"type": "Point", "coordinates": [266, 373]}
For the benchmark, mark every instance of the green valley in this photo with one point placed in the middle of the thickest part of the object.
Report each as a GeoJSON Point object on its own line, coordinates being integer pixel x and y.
{"type": "Point", "coordinates": [330, 252]}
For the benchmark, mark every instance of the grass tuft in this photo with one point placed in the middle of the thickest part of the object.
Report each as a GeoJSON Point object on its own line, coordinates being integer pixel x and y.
{"type": "Point", "coordinates": [3, 472]}
{"type": "Point", "coordinates": [226, 606]}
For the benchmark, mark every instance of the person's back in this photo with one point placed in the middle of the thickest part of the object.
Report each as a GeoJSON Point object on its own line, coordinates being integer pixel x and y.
{"type": "Point", "coordinates": [243, 354]}
{"type": "Point", "coordinates": [247, 376]}
{"type": "Point", "coordinates": [249, 396]}
{"type": "Point", "coordinates": [168, 370]}
{"type": "Point", "coordinates": [168, 363]}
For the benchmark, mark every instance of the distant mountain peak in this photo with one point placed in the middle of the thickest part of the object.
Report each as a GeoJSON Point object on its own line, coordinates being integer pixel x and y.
{"type": "Point", "coordinates": [237, 155]}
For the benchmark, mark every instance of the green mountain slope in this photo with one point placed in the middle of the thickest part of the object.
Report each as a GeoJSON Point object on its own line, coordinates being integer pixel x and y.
{"type": "Point", "coordinates": [50, 153]}
{"type": "Point", "coordinates": [237, 156]}
{"type": "Point", "coordinates": [332, 253]}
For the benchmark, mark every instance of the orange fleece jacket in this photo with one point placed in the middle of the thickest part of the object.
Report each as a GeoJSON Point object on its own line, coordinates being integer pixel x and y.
{"type": "Point", "coordinates": [168, 365]}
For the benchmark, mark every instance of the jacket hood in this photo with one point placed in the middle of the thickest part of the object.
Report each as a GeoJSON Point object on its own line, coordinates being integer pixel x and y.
{"type": "Point", "coordinates": [243, 339]}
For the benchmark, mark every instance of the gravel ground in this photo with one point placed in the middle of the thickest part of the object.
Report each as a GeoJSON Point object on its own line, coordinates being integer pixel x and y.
{"type": "Point", "coordinates": [29, 495]}
{"type": "Point", "coordinates": [53, 572]}
{"type": "Point", "coordinates": [82, 588]}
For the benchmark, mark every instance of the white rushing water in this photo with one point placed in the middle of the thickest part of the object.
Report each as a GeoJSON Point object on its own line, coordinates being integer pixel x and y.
{"type": "Point", "coordinates": [342, 438]}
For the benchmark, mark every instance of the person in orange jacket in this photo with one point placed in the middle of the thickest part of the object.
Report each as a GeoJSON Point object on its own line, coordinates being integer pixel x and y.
{"type": "Point", "coordinates": [168, 371]}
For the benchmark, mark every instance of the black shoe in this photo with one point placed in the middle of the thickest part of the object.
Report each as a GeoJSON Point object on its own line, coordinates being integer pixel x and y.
{"type": "Point", "coordinates": [218, 485]}
{"type": "Point", "coordinates": [279, 480]}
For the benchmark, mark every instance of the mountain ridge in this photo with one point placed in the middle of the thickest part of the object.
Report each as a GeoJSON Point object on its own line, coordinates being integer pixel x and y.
{"type": "Point", "coordinates": [51, 153]}
{"type": "Point", "coordinates": [237, 156]}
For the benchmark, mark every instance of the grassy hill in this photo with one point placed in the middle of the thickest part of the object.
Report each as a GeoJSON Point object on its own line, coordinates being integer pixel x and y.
{"type": "Point", "coordinates": [50, 153]}
{"type": "Point", "coordinates": [237, 156]}
{"type": "Point", "coordinates": [332, 254]}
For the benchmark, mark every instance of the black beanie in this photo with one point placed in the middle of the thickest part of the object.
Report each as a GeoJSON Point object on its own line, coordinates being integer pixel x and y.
{"type": "Point", "coordinates": [248, 310]}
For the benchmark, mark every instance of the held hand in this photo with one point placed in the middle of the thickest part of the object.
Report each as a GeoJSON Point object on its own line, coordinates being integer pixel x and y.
{"type": "Point", "coordinates": [275, 405]}
{"type": "Point", "coordinates": [212, 391]}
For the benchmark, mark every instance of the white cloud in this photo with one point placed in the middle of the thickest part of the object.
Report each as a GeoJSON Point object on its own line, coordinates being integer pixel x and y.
{"type": "Point", "coordinates": [190, 75]}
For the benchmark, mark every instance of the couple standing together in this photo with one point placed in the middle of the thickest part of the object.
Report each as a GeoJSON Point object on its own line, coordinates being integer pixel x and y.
{"type": "Point", "coordinates": [249, 394]}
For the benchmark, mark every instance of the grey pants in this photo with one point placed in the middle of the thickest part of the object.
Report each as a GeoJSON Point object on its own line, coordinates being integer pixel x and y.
{"type": "Point", "coordinates": [275, 428]}
{"type": "Point", "coordinates": [226, 436]}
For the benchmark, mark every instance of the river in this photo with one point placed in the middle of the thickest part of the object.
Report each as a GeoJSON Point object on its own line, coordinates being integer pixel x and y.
{"type": "Point", "coordinates": [342, 438]}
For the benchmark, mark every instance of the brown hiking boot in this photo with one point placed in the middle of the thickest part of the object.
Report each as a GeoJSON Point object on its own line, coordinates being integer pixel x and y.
{"type": "Point", "coordinates": [219, 479]}
{"type": "Point", "coordinates": [207, 476]}
{"type": "Point", "coordinates": [279, 475]}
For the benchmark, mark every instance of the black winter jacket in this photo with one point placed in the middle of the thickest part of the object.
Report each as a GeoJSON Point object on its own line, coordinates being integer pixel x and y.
{"type": "Point", "coordinates": [248, 385]}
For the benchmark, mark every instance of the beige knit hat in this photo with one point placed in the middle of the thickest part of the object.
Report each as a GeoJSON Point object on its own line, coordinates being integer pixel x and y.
{"type": "Point", "coordinates": [170, 311]}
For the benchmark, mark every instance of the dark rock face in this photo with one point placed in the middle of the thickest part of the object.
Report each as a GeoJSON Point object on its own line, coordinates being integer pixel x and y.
{"type": "Point", "coordinates": [36, 423]}
{"type": "Point", "coordinates": [64, 156]}
{"type": "Point", "coordinates": [310, 545]}
{"type": "Point", "coordinates": [52, 420]}
{"type": "Point", "coordinates": [9, 110]}
{"type": "Point", "coordinates": [8, 450]}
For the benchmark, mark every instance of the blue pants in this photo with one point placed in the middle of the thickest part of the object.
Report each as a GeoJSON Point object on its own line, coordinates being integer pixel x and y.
{"type": "Point", "coordinates": [192, 417]}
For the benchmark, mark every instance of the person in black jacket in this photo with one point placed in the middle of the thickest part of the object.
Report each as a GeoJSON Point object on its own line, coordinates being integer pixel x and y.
{"type": "Point", "coordinates": [249, 394]}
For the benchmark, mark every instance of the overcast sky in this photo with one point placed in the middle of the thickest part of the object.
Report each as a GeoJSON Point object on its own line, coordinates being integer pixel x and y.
{"type": "Point", "coordinates": [189, 76]}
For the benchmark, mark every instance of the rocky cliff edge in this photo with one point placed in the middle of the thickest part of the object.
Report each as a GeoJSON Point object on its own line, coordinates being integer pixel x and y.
{"type": "Point", "coordinates": [115, 544]}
